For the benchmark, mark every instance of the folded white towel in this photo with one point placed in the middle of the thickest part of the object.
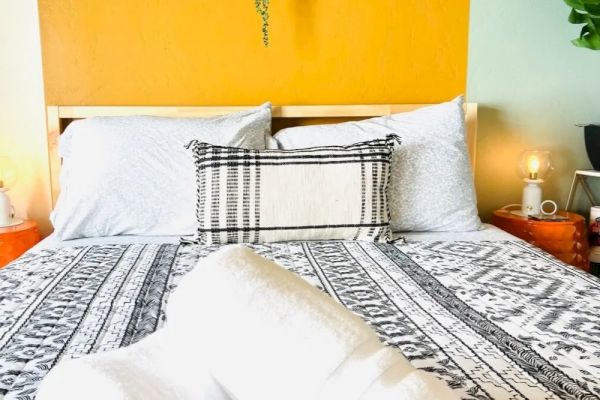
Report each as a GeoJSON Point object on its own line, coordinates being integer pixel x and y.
{"type": "Point", "coordinates": [267, 334]}
{"type": "Point", "coordinates": [147, 370]}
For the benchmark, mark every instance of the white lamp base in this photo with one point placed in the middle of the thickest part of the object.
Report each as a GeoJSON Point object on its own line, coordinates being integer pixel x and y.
{"type": "Point", "coordinates": [6, 211]}
{"type": "Point", "coordinates": [532, 197]}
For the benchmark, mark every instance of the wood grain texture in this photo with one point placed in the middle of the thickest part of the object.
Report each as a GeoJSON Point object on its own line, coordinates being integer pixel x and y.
{"type": "Point", "coordinates": [471, 110]}
{"type": "Point", "coordinates": [54, 129]}
{"type": "Point", "coordinates": [566, 240]}
{"type": "Point", "coordinates": [281, 111]}
{"type": "Point", "coordinates": [60, 116]}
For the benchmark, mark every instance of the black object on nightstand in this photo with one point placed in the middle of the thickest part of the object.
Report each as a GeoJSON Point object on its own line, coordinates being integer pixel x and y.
{"type": "Point", "coordinates": [592, 144]}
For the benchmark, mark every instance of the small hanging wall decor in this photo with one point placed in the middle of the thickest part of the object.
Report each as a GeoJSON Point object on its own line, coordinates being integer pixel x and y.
{"type": "Point", "coordinates": [262, 7]}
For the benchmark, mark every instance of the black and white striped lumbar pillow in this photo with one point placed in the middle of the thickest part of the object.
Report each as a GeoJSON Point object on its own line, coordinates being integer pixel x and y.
{"type": "Point", "coordinates": [321, 193]}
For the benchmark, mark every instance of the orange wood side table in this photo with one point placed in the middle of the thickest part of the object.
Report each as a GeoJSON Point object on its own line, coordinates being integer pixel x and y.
{"type": "Point", "coordinates": [565, 240]}
{"type": "Point", "coordinates": [16, 240]}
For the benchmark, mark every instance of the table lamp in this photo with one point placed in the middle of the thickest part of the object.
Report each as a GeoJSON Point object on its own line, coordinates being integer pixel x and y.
{"type": "Point", "coordinates": [8, 177]}
{"type": "Point", "coordinates": [535, 166]}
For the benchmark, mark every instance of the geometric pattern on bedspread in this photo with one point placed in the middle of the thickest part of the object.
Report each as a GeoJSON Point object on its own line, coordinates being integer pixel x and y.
{"type": "Point", "coordinates": [494, 320]}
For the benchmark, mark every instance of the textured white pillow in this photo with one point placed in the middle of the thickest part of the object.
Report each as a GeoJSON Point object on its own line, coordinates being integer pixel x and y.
{"type": "Point", "coordinates": [322, 193]}
{"type": "Point", "coordinates": [431, 187]}
{"type": "Point", "coordinates": [133, 175]}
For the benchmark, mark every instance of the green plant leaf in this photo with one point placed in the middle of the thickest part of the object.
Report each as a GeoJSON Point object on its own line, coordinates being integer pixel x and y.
{"type": "Point", "coordinates": [588, 42]}
{"type": "Point", "coordinates": [586, 12]}
{"type": "Point", "coordinates": [575, 4]}
{"type": "Point", "coordinates": [576, 17]}
{"type": "Point", "coordinates": [592, 9]}
{"type": "Point", "coordinates": [593, 24]}
{"type": "Point", "coordinates": [588, 39]}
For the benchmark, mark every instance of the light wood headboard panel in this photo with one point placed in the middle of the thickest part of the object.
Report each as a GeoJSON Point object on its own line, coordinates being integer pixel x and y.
{"type": "Point", "coordinates": [58, 117]}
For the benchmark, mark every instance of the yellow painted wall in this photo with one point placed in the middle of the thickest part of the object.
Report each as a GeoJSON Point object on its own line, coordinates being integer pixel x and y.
{"type": "Point", "coordinates": [210, 52]}
{"type": "Point", "coordinates": [22, 115]}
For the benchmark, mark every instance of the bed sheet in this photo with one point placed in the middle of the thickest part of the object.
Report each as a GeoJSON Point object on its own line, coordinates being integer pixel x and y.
{"type": "Point", "coordinates": [488, 233]}
{"type": "Point", "coordinates": [493, 319]}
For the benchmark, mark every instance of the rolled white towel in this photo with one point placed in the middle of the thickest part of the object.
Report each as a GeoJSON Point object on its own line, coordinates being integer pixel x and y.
{"type": "Point", "coordinates": [267, 334]}
{"type": "Point", "coordinates": [146, 370]}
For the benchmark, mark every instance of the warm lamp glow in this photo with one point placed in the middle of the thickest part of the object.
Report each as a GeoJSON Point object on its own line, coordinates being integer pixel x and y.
{"type": "Point", "coordinates": [535, 164]}
{"type": "Point", "coordinates": [8, 174]}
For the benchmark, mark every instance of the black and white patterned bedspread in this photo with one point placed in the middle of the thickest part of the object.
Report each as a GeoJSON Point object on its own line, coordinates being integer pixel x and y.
{"type": "Point", "coordinates": [495, 320]}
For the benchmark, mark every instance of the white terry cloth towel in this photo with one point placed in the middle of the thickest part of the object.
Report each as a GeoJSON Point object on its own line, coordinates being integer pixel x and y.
{"type": "Point", "coordinates": [146, 370]}
{"type": "Point", "coordinates": [267, 334]}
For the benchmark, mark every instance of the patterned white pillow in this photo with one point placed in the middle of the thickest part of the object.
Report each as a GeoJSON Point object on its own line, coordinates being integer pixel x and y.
{"type": "Point", "coordinates": [431, 188]}
{"type": "Point", "coordinates": [133, 176]}
{"type": "Point", "coordinates": [321, 193]}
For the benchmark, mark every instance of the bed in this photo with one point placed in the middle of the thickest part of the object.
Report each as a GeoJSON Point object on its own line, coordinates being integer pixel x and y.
{"type": "Point", "coordinates": [490, 315]}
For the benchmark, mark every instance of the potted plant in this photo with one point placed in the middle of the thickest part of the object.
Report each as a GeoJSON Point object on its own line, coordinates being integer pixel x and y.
{"type": "Point", "coordinates": [587, 13]}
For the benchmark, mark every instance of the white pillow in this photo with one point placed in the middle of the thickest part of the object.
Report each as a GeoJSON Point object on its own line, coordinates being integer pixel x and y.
{"type": "Point", "coordinates": [133, 175]}
{"type": "Point", "coordinates": [431, 188]}
{"type": "Point", "coordinates": [322, 193]}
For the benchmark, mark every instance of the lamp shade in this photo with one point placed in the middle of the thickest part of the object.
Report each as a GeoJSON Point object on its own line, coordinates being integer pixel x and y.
{"type": "Point", "coordinates": [8, 173]}
{"type": "Point", "coordinates": [535, 164]}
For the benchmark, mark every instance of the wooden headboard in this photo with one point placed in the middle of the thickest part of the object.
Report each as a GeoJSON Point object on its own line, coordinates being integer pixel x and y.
{"type": "Point", "coordinates": [58, 117]}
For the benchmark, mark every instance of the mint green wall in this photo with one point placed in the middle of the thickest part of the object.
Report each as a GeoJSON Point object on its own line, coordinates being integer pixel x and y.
{"type": "Point", "coordinates": [533, 86]}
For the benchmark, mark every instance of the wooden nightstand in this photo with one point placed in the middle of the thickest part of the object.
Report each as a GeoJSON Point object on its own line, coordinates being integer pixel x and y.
{"type": "Point", "coordinates": [565, 240]}
{"type": "Point", "coordinates": [16, 240]}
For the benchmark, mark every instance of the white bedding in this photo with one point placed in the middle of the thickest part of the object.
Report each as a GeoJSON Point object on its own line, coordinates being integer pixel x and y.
{"type": "Point", "coordinates": [486, 233]}
{"type": "Point", "coordinates": [145, 159]}
{"type": "Point", "coordinates": [494, 319]}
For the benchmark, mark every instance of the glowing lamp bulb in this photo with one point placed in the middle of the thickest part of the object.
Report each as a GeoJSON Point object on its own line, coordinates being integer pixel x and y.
{"type": "Point", "coordinates": [533, 166]}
